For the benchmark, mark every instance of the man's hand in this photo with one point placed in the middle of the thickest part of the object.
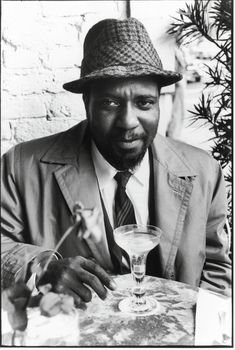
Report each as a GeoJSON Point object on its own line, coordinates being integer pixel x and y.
{"type": "Point", "coordinates": [71, 275]}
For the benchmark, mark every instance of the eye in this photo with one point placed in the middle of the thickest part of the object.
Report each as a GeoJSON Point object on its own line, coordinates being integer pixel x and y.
{"type": "Point", "coordinates": [145, 103]}
{"type": "Point", "coordinates": [109, 103]}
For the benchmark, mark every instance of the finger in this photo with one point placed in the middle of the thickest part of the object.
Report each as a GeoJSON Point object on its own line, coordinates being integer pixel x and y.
{"type": "Point", "coordinates": [64, 290]}
{"type": "Point", "coordinates": [73, 281]}
{"type": "Point", "coordinates": [84, 276]}
{"type": "Point", "coordinates": [98, 271]}
{"type": "Point", "coordinates": [93, 282]}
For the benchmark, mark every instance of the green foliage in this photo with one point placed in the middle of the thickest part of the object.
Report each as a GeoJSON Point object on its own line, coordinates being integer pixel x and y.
{"type": "Point", "coordinates": [212, 20]}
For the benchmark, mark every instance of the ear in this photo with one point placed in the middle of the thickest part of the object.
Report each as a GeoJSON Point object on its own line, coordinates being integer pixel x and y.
{"type": "Point", "coordinates": [85, 97]}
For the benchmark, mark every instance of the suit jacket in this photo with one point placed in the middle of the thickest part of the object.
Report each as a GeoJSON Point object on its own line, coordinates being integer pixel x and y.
{"type": "Point", "coordinates": [43, 178]}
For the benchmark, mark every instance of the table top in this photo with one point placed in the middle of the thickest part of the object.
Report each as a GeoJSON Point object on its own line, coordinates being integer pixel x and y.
{"type": "Point", "coordinates": [182, 320]}
{"type": "Point", "coordinates": [103, 324]}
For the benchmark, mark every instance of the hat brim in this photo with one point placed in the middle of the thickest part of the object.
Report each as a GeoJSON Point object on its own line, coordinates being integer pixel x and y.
{"type": "Point", "coordinates": [163, 77]}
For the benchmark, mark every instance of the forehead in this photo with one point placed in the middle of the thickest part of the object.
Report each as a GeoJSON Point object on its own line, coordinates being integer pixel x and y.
{"type": "Point", "coordinates": [146, 85]}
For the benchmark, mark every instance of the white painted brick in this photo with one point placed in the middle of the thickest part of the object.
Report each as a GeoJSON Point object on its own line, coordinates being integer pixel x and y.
{"type": "Point", "coordinates": [60, 31]}
{"type": "Point", "coordinates": [41, 34]}
{"type": "Point", "coordinates": [20, 22]}
{"type": "Point", "coordinates": [61, 57]}
{"type": "Point", "coordinates": [30, 129]}
{"type": "Point", "coordinates": [76, 8]}
{"type": "Point", "coordinates": [27, 35]}
{"type": "Point", "coordinates": [41, 50]}
{"type": "Point", "coordinates": [21, 84]}
{"type": "Point", "coordinates": [23, 107]}
{"type": "Point", "coordinates": [38, 22]}
{"type": "Point", "coordinates": [61, 76]}
{"type": "Point", "coordinates": [20, 58]}
{"type": "Point", "coordinates": [14, 11]}
{"type": "Point", "coordinates": [6, 132]}
{"type": "Point", "coordinates": [6, 145]}
{"type": "Point", "coordinates": [92, 18]}
{"type": "Point", "coordinates": [67, 105]}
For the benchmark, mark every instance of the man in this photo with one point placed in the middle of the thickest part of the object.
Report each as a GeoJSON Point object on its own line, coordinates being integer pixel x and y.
{"type": "Point", "coordinates": [170, 184]}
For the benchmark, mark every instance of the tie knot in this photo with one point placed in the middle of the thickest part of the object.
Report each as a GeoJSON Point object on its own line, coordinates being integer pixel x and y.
{"type": "Point", "coordinates": [122, 178]}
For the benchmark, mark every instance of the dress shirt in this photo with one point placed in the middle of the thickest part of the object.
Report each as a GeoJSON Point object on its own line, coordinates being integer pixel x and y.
{"type": "Point", "coordinates": [137, 188]}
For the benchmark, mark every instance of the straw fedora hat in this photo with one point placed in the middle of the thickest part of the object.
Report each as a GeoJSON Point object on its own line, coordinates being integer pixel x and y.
{"type": "Point", "coordinates": [120, 48]}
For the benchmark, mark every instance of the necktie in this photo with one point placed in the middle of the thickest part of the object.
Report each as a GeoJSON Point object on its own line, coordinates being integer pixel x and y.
{"type": "Point", "coordinates": [124, 209]}
{"type": "Point", "coordinates": [114, 249]}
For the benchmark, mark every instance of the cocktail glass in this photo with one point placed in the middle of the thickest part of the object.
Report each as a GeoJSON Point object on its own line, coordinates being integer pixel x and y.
{"type": "Point", "coordinates": [138, 241]}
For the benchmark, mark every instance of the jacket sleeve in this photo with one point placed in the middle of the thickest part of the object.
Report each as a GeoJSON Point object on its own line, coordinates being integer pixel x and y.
{"type": "Point", "coordinates": [216, 273]}
{"type": "Point", "coordinates": [15, 252]}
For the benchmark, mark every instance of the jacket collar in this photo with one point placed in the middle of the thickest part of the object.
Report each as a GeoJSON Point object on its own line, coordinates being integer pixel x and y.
{"type": "Point", "coordinates": [65, 150]}
{"type": "Point", "coordinates": [166, 153]}
{"type": "Point", "coordinates": [67, 145]}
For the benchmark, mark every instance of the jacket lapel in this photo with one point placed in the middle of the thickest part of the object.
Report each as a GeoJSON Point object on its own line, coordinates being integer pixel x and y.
{"type": "Point", "coordinates": [70, 152]}
{"type": "Point", "coordinates": [79, 184]}
{"type": "Point", "coordinates": [76, 175]}
{"type": "Point", "coordinates": [173, 184]}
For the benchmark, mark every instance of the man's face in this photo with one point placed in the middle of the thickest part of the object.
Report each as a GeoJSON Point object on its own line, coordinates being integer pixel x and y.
{"type": "Point", "coordinates": [123, 117]}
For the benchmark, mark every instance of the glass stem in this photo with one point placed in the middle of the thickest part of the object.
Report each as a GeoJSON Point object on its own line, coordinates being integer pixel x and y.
{"type": "Point", "coordinates": [138, 267]}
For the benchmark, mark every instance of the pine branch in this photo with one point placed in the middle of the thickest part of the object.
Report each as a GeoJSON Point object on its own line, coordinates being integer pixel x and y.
{"type": "Point", "coordinates": [213, 110]}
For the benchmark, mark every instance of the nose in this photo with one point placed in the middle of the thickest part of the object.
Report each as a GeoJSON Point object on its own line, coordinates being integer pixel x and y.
{"type": "Point", "coordinates": [127, 118]}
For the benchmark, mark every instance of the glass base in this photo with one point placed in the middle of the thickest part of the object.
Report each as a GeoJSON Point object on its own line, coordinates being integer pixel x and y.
{"type": "Point", "coordinates": [150, 306]}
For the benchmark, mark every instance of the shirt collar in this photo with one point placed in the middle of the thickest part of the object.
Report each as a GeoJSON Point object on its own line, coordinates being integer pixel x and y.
{"type": "Point", "coordinates": [141, 174]}
{"type": "Point", "coordinates": [105, 171]}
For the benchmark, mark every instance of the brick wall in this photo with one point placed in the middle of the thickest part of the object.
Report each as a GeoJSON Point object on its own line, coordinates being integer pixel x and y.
{"type": "Point", "coordinates": [41, 50]}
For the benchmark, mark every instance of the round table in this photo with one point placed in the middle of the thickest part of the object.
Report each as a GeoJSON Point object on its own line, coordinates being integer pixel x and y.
{"type": "Point", "coordinates": [103, 324]}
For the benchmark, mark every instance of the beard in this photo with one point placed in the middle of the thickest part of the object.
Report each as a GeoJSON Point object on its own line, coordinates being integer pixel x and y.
{"type": "Point", "coordinates": [127, 161]}
{"type": "Point", "coordinates": [122, 159]}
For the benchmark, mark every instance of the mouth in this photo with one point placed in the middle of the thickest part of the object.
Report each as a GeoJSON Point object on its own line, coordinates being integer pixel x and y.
{"type": "Point", "coordinates": [129, 143]}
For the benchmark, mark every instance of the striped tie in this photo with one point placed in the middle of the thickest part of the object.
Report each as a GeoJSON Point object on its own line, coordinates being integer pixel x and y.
{"type": "Point", "coordinates": [123, 207]}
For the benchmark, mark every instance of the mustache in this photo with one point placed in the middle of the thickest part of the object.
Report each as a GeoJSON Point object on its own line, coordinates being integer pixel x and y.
{"type": "Point", "coordinates": [128, 137]}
